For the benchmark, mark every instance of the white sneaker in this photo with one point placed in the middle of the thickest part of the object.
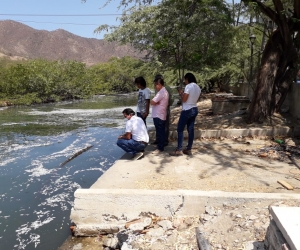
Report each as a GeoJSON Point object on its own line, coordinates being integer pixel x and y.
{"type": "Point", "coordinates": [138, 155]}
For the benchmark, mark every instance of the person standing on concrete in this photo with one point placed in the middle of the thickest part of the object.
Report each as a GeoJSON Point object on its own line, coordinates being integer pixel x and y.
{"type": "Point", "coordinates": [143, 105]}
{"type": "Point", "coordinates": [136, 137]}
{"type": "Point", "coordinates": [159, 113]}
{"type": "Point", "coordinates": [170, 102]}
{"type": "Point", "coordinates": [189, 98]}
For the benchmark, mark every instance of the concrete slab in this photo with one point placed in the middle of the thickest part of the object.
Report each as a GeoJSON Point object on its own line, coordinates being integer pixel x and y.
{"type": "Point", "coordinates": [217, 173]}
{"type": "Point", "coordinates": [107, 210]}
{"type": "Point", "coordinates": [287, 220]}
{"type": "Point", "coordinates": [217, 165]}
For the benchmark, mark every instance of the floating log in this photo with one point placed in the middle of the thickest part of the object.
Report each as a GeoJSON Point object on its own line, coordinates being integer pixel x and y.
{"type": "Point", "coordinates": [75, 155]}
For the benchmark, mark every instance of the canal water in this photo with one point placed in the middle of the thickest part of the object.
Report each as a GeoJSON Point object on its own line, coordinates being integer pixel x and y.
{"type": "Point", "coordinates": [36, 191]}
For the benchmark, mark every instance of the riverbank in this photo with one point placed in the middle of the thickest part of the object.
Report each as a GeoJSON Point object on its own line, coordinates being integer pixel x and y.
{"type": "Point", "coordinates": [210, 168]}
{"type": "Point", "coordinates": [230, 164]}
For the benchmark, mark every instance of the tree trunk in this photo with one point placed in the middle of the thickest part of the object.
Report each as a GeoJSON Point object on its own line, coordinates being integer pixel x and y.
{"type": "Point", "coordinates": [287, 73]}
{"type": "Point", "coordinates": [278, 63]}
{"type": "Point", "coordinates": [275, 76]}
{"type": "Point", "coordinates": [262, 99]}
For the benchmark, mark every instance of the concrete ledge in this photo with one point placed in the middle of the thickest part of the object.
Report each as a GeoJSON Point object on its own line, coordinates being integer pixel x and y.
{"type": "Point", "coordinates": [97, 210]}
{"type": "Point", "coordinates": [287, 219]}
{"type": "Point", "coordinates": [211, 133]}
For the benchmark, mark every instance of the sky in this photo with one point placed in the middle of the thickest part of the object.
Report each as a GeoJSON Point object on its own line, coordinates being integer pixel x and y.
{"type": "Point", "coordinates": [72, 15]}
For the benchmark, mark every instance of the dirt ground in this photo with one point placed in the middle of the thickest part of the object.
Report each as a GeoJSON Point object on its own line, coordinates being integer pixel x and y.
{"type": "Point", "coordinates": [266, 151]}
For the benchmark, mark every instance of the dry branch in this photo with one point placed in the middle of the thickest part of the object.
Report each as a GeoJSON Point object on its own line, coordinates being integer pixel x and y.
{"type": "Point", "coordinates": [75, 155]}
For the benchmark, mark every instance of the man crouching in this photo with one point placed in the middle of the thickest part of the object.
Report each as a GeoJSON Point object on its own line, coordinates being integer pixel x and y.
{"type": "Point", "coordinates": [136, 137]}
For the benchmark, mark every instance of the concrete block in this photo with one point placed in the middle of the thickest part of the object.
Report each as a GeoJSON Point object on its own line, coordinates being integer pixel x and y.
{"type": "Point", "coordinates": [228, 106]}
{"type": "Point", "coordinates": [287, 220]}
{"type": "Point", "coordinates": [216, 133]}
{"type": "Point", "coordinates": [276, 131]}
{"type": "Point", "coordinates": [274, 238]}
{"type": "Point", "coordinates": [97, 210]}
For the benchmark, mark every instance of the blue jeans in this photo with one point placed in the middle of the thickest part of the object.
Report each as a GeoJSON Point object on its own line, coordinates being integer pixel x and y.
{"type": "Point", "coordinates": [160, 132]}
{"type": "Point", "coordinates": [131, 146]}
{"type": "Point", "coordinates": [187, 117]}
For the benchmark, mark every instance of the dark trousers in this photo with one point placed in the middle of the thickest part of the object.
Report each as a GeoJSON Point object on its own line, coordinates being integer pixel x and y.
{"type": "Point", "coordinates": [167, 127]}
{"type": "Point", "coordinates": [160, 132]}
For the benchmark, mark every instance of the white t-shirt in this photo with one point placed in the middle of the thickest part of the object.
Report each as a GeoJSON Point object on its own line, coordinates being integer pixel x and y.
{"type": "Point", "coordinates": [194, 92]}
{"type": "Point", "coordinates": [137, 128]}
{"type": "Point", "coordinates": [144, 94]}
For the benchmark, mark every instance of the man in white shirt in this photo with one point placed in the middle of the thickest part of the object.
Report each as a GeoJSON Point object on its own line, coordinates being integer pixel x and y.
{"type": "Point", "coordinates": [136, 137]}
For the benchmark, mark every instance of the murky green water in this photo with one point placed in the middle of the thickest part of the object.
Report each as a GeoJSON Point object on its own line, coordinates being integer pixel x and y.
{"type": "Point", "coordinates": [36, 192]}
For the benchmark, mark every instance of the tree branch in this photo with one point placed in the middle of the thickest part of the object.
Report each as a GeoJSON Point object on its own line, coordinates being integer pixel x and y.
{"type": "Point", "coordinates": [266, 10]}
{"type": "Point", "coordinates": [297, 9]}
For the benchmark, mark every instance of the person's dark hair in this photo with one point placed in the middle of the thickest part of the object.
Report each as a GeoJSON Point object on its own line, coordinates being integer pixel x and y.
{"type": "Point", "coordinates": [158, 76]}
{"type": "Point", "coordinates": [160, 80]}
{"type": "Point", "coordinates": [141, 81]}
{"type": "Point", "coordinates": [190, 77]}
{"type": "Point", "coordinates": [128, 111]}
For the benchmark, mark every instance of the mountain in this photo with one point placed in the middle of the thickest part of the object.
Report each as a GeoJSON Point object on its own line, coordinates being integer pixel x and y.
{"type": "Point", "coordinates": [18, 40]}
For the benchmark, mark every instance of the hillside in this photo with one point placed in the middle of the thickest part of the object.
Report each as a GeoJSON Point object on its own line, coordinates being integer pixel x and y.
{"type": "Point", "coordinates": [18, 40]}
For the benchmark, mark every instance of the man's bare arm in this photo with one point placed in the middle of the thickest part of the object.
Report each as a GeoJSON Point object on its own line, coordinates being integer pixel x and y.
{"type": "Point", "coordinates": [126, 136]}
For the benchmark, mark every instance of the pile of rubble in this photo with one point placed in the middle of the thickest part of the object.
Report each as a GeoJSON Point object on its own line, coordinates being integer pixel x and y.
{"type": "Point", "coordinates": [230, 227]}
{"type": "Point", "coordinates": [279, 149]}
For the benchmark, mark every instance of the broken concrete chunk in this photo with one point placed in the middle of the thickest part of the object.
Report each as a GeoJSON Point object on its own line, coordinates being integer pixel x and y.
{"type": "Point", "coordinates": [111, 242]}
{"type": "Point", "coordinates": [138, 225]}
{"type": "Point", "coordinates": [189, 221]}
{"type": "Point", "coordinates": [210, 210]}
{"type": "Point", "coordinates": [206, 217]}
{"type": "Point", "coordinates": [165, 224]}
{"type": "Point", "coordinates": [253, 217]}
{"type": "Point", "coordinates": [156, 232]}
{"type": "Point", "coordinates": [177, 222]}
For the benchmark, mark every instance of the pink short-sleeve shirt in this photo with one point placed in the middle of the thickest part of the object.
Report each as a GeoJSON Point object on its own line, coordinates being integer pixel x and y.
{"type": "Point", "coordinates": [160, 109]}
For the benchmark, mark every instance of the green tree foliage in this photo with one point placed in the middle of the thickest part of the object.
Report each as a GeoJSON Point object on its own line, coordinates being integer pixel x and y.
{"type": "Point", "coordinates": [40, 81]}
{"type": "Point", "coordinates": [43, 81]}
{"type": "Point", "coordinates": [180, 34]}
{"type": "Point", "coordinates": [116, 75]}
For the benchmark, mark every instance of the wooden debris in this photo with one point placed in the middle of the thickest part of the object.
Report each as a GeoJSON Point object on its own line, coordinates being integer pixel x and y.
{"type": "Point", "coordinates": [75, 155]}
{"type": "Point", "coordinates": [286, 185]}
{"type": "Point", "coordinates": [263, 155]}
{"type": "Point", "coordinates": [201, 241]}
{"type": "Point", "coordinates": [72, 229]}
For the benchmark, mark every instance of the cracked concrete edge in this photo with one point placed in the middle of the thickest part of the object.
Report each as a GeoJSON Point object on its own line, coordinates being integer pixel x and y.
{"type": "Point", "coordinates": [288, 222]}
{"type": "Point", "coordinates": [98, 210]}
{"type": "Point", "coordinates": [248, 132]}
